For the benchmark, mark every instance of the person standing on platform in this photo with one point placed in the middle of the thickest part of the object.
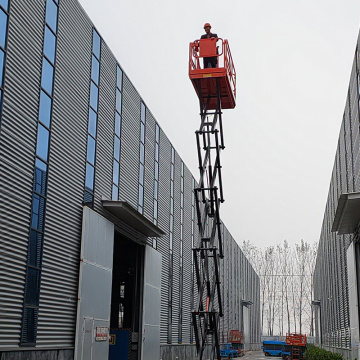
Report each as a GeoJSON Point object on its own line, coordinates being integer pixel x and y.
{"type": "Point", "coordinates": [209, 62]}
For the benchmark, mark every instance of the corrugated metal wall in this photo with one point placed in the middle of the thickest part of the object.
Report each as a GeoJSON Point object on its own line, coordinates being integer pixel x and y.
{"type": "Point", "coordinates": [59, 283]}
{"type": "Point", "coordinates": [239, 282]}
{"type": "Point", "coordinates": [17, 152]}
{"type": "Point", "coordinates": [330, 276]}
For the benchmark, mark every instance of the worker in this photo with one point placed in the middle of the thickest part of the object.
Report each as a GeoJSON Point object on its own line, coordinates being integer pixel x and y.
{"type": "Point", "coordinates": [209, 62]}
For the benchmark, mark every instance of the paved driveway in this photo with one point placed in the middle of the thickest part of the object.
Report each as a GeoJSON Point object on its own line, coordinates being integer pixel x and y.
{"type": "Point", "coordinates": [258, 355]}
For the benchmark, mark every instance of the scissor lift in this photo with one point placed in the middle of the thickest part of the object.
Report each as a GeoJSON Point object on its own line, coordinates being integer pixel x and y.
{"type": "Point", "coordinates": [216, 89]}
{"type": "Point", "coordinates": [297, 344]}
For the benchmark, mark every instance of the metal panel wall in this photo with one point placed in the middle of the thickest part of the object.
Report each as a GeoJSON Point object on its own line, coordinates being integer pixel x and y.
{"type": "Point", "coordinates": [59, 283]}
{"type": "Point", "coordinates": [149, 166]}
{"type": "Point", "coordinates": [58, 295]}
{"type": "Point", "coordinates": [176, 264]}
{"type": "Point", "coordinates": [239, 282]}
{"type": "Point", "coordinates": [17, 151]}
{"type": "Point", "coordinates": [105, 129]}
{"type": "Point", "coordinates": [164, 223]}
{"type": "Point", "coordinates": [330, 276]}
{"type": "Point", "coordinates": [129, 162]}
{"type": "Point", "coordinates": [187, 257]}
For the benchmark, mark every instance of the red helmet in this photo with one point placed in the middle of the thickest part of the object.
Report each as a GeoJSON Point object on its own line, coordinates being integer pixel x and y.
{"type": "Point", "coordinates": [206, 25]}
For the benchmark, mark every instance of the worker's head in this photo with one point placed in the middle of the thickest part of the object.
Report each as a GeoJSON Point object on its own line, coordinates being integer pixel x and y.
{"type": "Point", "coordinates": [207, 27]}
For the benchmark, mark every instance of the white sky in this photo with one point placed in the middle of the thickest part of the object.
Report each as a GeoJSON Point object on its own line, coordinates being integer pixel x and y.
{"type": "Point", "coordinates": [293, 61]}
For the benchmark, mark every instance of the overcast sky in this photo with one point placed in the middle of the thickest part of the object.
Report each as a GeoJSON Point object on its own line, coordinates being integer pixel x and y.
{"type": "Point", "coordinates": [293, 61]}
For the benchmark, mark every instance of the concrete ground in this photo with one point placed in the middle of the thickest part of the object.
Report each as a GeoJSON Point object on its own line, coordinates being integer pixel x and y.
{"type": "Point", "coordinates": [257, 355]}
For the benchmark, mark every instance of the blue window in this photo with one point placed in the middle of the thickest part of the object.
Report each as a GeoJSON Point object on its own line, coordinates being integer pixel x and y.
{"type": "Point", "coordinates": [119, 77]}
{"type": "Point", "coordinates": [94, 96]}
{"type": "Point", "coordinates": [5, 4]}
{"type": "Point", "coordinates": [118, 124]}
{"type": "Point", "coordinates": [171, 228]}
{"type": "Point", "coordinates": [156, 190]}
{"type": "Point", "coordinates": [89, 177]}
{"type": "Point", "coordinates": [141, 174]}
{"type": "Point", "coordinates": [155, 209]}
{"type": "Point", "coordinates": [142, 153]}
{"type": "Point", "coordinates": [96, 44]}
{"type": "Point", "coordinates": [117, 148]}
{"type": "Point", "coordinates": [47, 76]}
{"type": "Point", "coordinates": [157, 152]}
{"type": "Point", "coordinates": [172, 189]}
{"type": "Point", "coordinates": [38, 210]}
{"type": "Point", "coordinates": [156, 170]}
{"type": "Point", "coordinates": [2, 61]}
{"type": "Point", "coordinates": [42, 146]}
{"type": "Point", "coordinates": [88, 198]}
{"type": "Point", "coordinates": [115, 192]}
{"type": "Point", "coordinates": [141, 196]}
{"type": "Point", "coordinates": [45, 109]}
{"type": "Point", "coordinates": [118, 101]}
{"type": "Point", "coordinates": [40, 177]}
{"type": "Point", "coordinates": [142, 133]}
{"type": "Point", "coordinates": [35, 212]}
{"type": "Point", "coordinates": [51, 15]}
{"type": "Point", "coordinates": [116, 172]}
{"type": "Point", "coordinates": [93, 119]}
{"type": "Point", "coordinates": [3, 27]}
{"type": "Point", "coordinates": [95, 70]}
{"type": "Point", "coordinates": [172, 207]}
{"type": "Point", "coordinates": [117, 130]}
{"type": "Point", "coordinates": [0, 99]}
{"type": "Point", "coordinates": [49, 45]}
{"type": "Point", "coordinates": [91, 150]}
{"type": "Point", "coordinates": [142, 113]}
{"type": "Point", "coordinates": [92, 123]}
{"type": "Point", "coordinates": [157, 133]}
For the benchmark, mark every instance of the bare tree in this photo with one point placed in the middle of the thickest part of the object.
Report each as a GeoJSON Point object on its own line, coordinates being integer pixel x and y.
{"type": "Point", "coordinates": [285, 285]}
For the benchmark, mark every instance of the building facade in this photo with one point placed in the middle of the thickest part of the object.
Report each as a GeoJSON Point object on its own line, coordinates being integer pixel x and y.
{"type": "Point", "coordinates": [335, 278]}
{"type": "Point", "coordinates": [97, 217]}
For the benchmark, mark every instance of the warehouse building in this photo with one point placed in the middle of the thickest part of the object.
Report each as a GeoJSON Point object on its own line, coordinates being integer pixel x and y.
{"type": "Point", "coordinates": [336, 273]}
{"type": "Point", "coordinates": [97, 217]}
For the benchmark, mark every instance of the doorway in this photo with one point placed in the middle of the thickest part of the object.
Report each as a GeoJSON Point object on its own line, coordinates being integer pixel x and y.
{"type": "Point", "coordinates": [126, 299]}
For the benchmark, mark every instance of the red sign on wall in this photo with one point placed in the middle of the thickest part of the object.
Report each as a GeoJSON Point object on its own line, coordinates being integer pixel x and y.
{"type": "Point", "coordinates": [101, 334]}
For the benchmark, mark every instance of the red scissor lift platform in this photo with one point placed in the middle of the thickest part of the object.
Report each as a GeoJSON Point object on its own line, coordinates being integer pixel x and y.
{"type": "Point", "coordinates": [298, 345]}
{"type": "Point", "coordinates": [216, 90]}
{"type": "Point", "coordinates": [206, 81]}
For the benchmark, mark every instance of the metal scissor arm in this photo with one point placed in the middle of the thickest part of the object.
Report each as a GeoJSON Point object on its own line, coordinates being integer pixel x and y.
{"type": "Point", "coordinates": [209, 250]}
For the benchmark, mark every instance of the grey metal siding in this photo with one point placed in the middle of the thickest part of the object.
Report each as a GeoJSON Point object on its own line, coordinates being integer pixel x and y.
{"type": "Point", "coordinates": [59, 283]}
{"type": "Point", "coordinates": [17, 151]}
{"type": "Point", "coordinates": [129, 162]}
{"type": "Point", "coordinates": [149, 166]}
{"type": "Point", "coordinates": [330, 275]}
{"type": "Point", "coordinates": [163, 222]}
{"type": "Point", "coordinates": [105, 135]}
{"type": "Point", "coordinates": [176, 247]}
{"type": "Point", "coordinates": [187, 256]}
{"type": "Point", "coordinates": [66, 175]}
